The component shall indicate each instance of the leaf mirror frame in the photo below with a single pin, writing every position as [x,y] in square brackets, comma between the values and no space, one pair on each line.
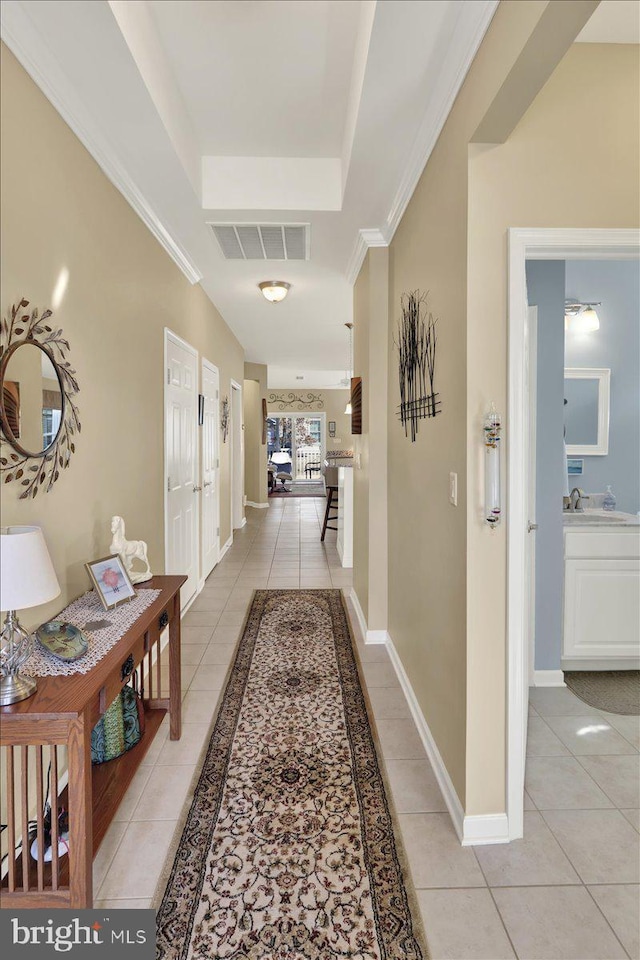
[36,470]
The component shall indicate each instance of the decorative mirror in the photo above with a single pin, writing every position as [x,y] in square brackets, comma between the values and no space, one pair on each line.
[586,411]
[38,415]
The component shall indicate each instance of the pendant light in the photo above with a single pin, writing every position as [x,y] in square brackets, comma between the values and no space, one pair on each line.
[348,410]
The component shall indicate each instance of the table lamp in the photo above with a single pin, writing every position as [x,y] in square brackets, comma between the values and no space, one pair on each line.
[27,579]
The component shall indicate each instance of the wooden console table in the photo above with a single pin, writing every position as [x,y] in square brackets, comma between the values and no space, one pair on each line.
[62,714]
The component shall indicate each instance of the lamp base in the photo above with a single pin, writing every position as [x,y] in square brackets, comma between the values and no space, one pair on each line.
[16,687]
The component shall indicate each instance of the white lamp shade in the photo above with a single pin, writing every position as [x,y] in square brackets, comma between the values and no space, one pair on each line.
[27,577]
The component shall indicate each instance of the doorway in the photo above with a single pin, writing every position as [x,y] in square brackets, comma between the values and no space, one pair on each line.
[181,463]
[237,457]
[532,244]
[210,467]
[303,439]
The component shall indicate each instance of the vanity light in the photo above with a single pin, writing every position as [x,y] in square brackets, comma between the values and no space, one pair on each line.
[581,317]
[274,290]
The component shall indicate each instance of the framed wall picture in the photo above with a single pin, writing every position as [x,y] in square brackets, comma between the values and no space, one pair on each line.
[575,467]
[110,580]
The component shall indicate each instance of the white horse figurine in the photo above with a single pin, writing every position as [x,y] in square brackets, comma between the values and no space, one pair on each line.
[129,551]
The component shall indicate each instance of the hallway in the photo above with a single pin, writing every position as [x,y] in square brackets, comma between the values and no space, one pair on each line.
[526,899]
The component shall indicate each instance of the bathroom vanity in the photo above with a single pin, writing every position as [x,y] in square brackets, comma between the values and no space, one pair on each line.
[601,628]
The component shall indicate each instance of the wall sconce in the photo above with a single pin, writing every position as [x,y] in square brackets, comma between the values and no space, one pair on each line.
[581,317]
[492,436]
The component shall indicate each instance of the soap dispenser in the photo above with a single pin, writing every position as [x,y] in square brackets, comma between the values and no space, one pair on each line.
[609,501]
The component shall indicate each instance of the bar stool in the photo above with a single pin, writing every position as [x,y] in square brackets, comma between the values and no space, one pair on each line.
[331,485]
[331,493]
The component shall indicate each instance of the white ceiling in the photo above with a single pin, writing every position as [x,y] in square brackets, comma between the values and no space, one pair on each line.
[263,78]
[164,92]
[613,21]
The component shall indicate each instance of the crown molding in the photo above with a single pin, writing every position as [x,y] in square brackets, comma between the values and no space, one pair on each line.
[467,37]
[473,22]
[29,47]
[364,240]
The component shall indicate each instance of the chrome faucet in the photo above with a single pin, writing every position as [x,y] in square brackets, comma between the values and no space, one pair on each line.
[576,498]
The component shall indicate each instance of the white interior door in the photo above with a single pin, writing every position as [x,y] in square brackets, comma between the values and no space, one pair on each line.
[181,463]
[531,368]
[237,457]
[210,468]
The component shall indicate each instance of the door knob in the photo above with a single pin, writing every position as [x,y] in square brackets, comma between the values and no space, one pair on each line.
[531,527]
[197,489]
[207,483]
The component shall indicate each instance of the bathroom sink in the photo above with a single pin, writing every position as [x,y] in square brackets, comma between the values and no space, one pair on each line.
[598,517]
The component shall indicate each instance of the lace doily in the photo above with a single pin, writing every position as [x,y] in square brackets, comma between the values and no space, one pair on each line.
[110,626]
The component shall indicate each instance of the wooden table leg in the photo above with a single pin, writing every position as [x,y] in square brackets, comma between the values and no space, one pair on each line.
[175,691]
[80,814]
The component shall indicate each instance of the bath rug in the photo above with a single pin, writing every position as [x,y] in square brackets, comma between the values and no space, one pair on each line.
[614,691]
[289,849]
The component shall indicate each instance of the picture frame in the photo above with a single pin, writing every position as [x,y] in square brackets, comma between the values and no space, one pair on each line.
[117,587]
[575,467]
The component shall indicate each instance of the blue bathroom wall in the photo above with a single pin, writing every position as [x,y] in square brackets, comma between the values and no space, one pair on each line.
[615,345]
[546,290]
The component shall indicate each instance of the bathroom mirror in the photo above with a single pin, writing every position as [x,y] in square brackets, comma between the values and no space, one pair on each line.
[586,411]
[39,419]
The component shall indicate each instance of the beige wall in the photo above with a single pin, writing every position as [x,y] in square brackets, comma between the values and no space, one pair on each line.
[447,572]
[371,348]
[59,212]
[541,177]
[255,451]
[361,443]
[330,402]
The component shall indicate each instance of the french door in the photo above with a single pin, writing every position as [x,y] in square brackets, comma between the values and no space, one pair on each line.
[302,439]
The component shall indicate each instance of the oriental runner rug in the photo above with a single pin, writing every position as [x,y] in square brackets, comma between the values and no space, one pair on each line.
[288,850]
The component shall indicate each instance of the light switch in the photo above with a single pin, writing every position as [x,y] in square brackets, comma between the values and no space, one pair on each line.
[453,489]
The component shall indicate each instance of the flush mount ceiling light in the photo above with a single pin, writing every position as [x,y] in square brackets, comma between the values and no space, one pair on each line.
[581,317]
[274,290]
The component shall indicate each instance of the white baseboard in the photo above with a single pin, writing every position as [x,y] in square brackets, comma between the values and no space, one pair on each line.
[548,678]
[258,506]
[226,547]
[442,776]
[485,828]
[370,636]
[376,636]
[473,830]
[362,623]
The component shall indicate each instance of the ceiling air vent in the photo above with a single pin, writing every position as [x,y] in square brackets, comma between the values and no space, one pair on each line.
[263,241]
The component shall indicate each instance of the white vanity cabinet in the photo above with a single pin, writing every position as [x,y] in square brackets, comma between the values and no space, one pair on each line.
[601,597]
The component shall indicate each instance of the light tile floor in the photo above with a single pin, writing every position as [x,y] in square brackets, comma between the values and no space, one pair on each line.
[569,889]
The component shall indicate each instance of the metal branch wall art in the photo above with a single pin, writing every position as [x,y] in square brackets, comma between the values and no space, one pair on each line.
[282,401]
[416,345]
